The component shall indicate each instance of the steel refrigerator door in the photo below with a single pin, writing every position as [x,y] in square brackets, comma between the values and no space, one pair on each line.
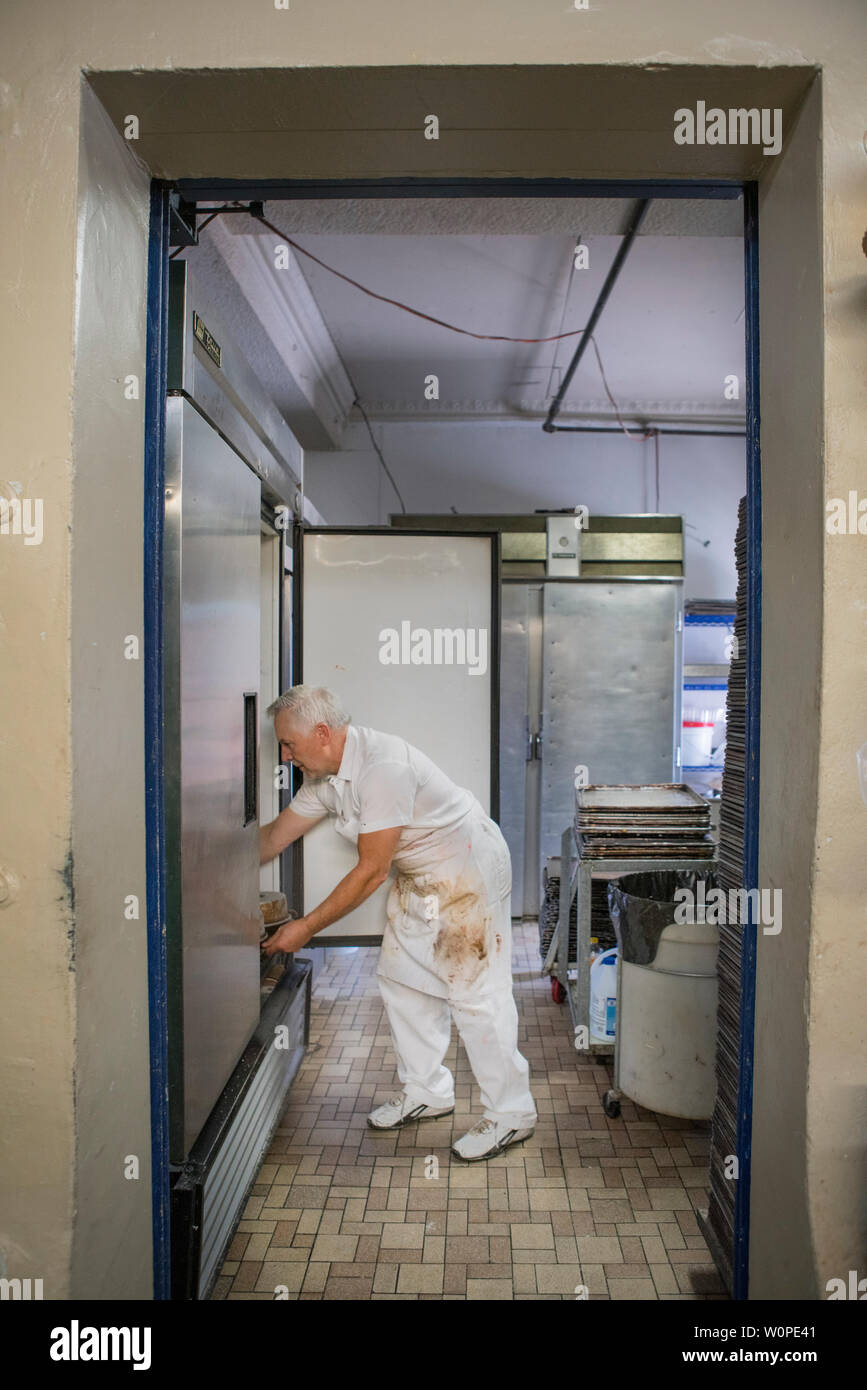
[610,690]
[212,575]
[371,595]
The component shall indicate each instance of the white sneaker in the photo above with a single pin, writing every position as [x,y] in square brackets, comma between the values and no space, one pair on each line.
[398,1111]
[488,1138]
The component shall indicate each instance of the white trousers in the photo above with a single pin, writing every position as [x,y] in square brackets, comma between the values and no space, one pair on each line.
[447,953]
[421,1030]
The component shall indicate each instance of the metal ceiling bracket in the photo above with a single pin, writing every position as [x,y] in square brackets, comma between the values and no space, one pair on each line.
[182,221]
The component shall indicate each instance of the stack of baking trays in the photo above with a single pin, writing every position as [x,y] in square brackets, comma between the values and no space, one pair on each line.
[664,821]
[725,1127]
[601,930]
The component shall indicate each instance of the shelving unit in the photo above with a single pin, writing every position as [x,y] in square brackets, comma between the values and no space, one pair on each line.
[706,675]
[576,875]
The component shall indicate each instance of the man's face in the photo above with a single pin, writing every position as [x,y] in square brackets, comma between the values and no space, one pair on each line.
[309,749]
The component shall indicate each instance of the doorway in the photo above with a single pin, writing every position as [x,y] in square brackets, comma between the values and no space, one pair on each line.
[194,193]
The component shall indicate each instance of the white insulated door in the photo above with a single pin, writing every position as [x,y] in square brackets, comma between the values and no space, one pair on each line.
[404,628]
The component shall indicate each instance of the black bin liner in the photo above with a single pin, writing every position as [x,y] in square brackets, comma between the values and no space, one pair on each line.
[643,905]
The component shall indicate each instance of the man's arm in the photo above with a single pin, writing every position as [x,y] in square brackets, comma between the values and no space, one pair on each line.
[375,853]
[283,831]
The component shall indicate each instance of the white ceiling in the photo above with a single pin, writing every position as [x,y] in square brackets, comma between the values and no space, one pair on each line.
[460,216]
[671,333]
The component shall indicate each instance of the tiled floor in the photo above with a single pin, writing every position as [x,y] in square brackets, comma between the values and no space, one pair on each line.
[341,1211]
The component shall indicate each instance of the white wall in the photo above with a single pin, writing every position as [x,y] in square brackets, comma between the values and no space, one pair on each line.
[440,466]
[349,489]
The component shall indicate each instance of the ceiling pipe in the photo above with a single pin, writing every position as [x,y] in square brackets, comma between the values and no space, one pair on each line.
[617,265]
[648,431]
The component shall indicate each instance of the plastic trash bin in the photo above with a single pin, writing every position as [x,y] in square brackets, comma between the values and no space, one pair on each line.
[667,996]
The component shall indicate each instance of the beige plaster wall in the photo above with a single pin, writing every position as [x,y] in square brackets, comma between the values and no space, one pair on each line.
[790,276]
[112,1129]
[52,1073]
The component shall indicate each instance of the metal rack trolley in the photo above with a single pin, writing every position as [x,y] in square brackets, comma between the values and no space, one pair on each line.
[576,875]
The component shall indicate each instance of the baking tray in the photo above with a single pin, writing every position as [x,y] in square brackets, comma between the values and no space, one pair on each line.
[668,798]
[643,825]
[630,847]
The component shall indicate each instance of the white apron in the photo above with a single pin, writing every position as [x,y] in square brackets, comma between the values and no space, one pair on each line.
[449,930]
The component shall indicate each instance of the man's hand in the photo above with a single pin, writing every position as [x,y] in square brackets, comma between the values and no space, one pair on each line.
[292,936]
[375,851]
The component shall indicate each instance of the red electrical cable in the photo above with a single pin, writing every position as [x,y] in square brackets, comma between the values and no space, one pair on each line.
[488,337]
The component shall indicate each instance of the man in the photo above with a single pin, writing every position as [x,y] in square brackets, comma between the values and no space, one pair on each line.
[447,940]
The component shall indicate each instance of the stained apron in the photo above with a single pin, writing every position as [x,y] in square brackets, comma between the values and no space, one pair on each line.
[448,930]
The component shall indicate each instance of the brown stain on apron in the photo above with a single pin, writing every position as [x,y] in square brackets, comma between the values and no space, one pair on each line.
[462,939]
[462,922]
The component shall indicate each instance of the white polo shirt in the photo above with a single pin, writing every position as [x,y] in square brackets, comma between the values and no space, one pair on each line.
[383,781]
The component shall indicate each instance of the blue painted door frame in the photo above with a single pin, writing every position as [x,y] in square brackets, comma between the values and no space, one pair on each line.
[210,190]
[155,856]
[740,1264]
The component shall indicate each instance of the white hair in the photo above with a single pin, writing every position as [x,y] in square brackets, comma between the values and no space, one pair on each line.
[311,705]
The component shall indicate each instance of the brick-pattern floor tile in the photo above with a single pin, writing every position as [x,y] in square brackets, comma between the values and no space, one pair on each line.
[631,1289]
[339,1211]
[489,1288]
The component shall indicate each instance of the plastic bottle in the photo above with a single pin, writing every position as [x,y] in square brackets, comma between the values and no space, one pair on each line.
[603,996]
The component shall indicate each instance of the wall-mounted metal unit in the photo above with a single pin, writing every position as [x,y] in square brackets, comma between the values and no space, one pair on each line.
[611,547]
[211,684]
[563,558]
[231,468]
[206,367]
[226,449]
